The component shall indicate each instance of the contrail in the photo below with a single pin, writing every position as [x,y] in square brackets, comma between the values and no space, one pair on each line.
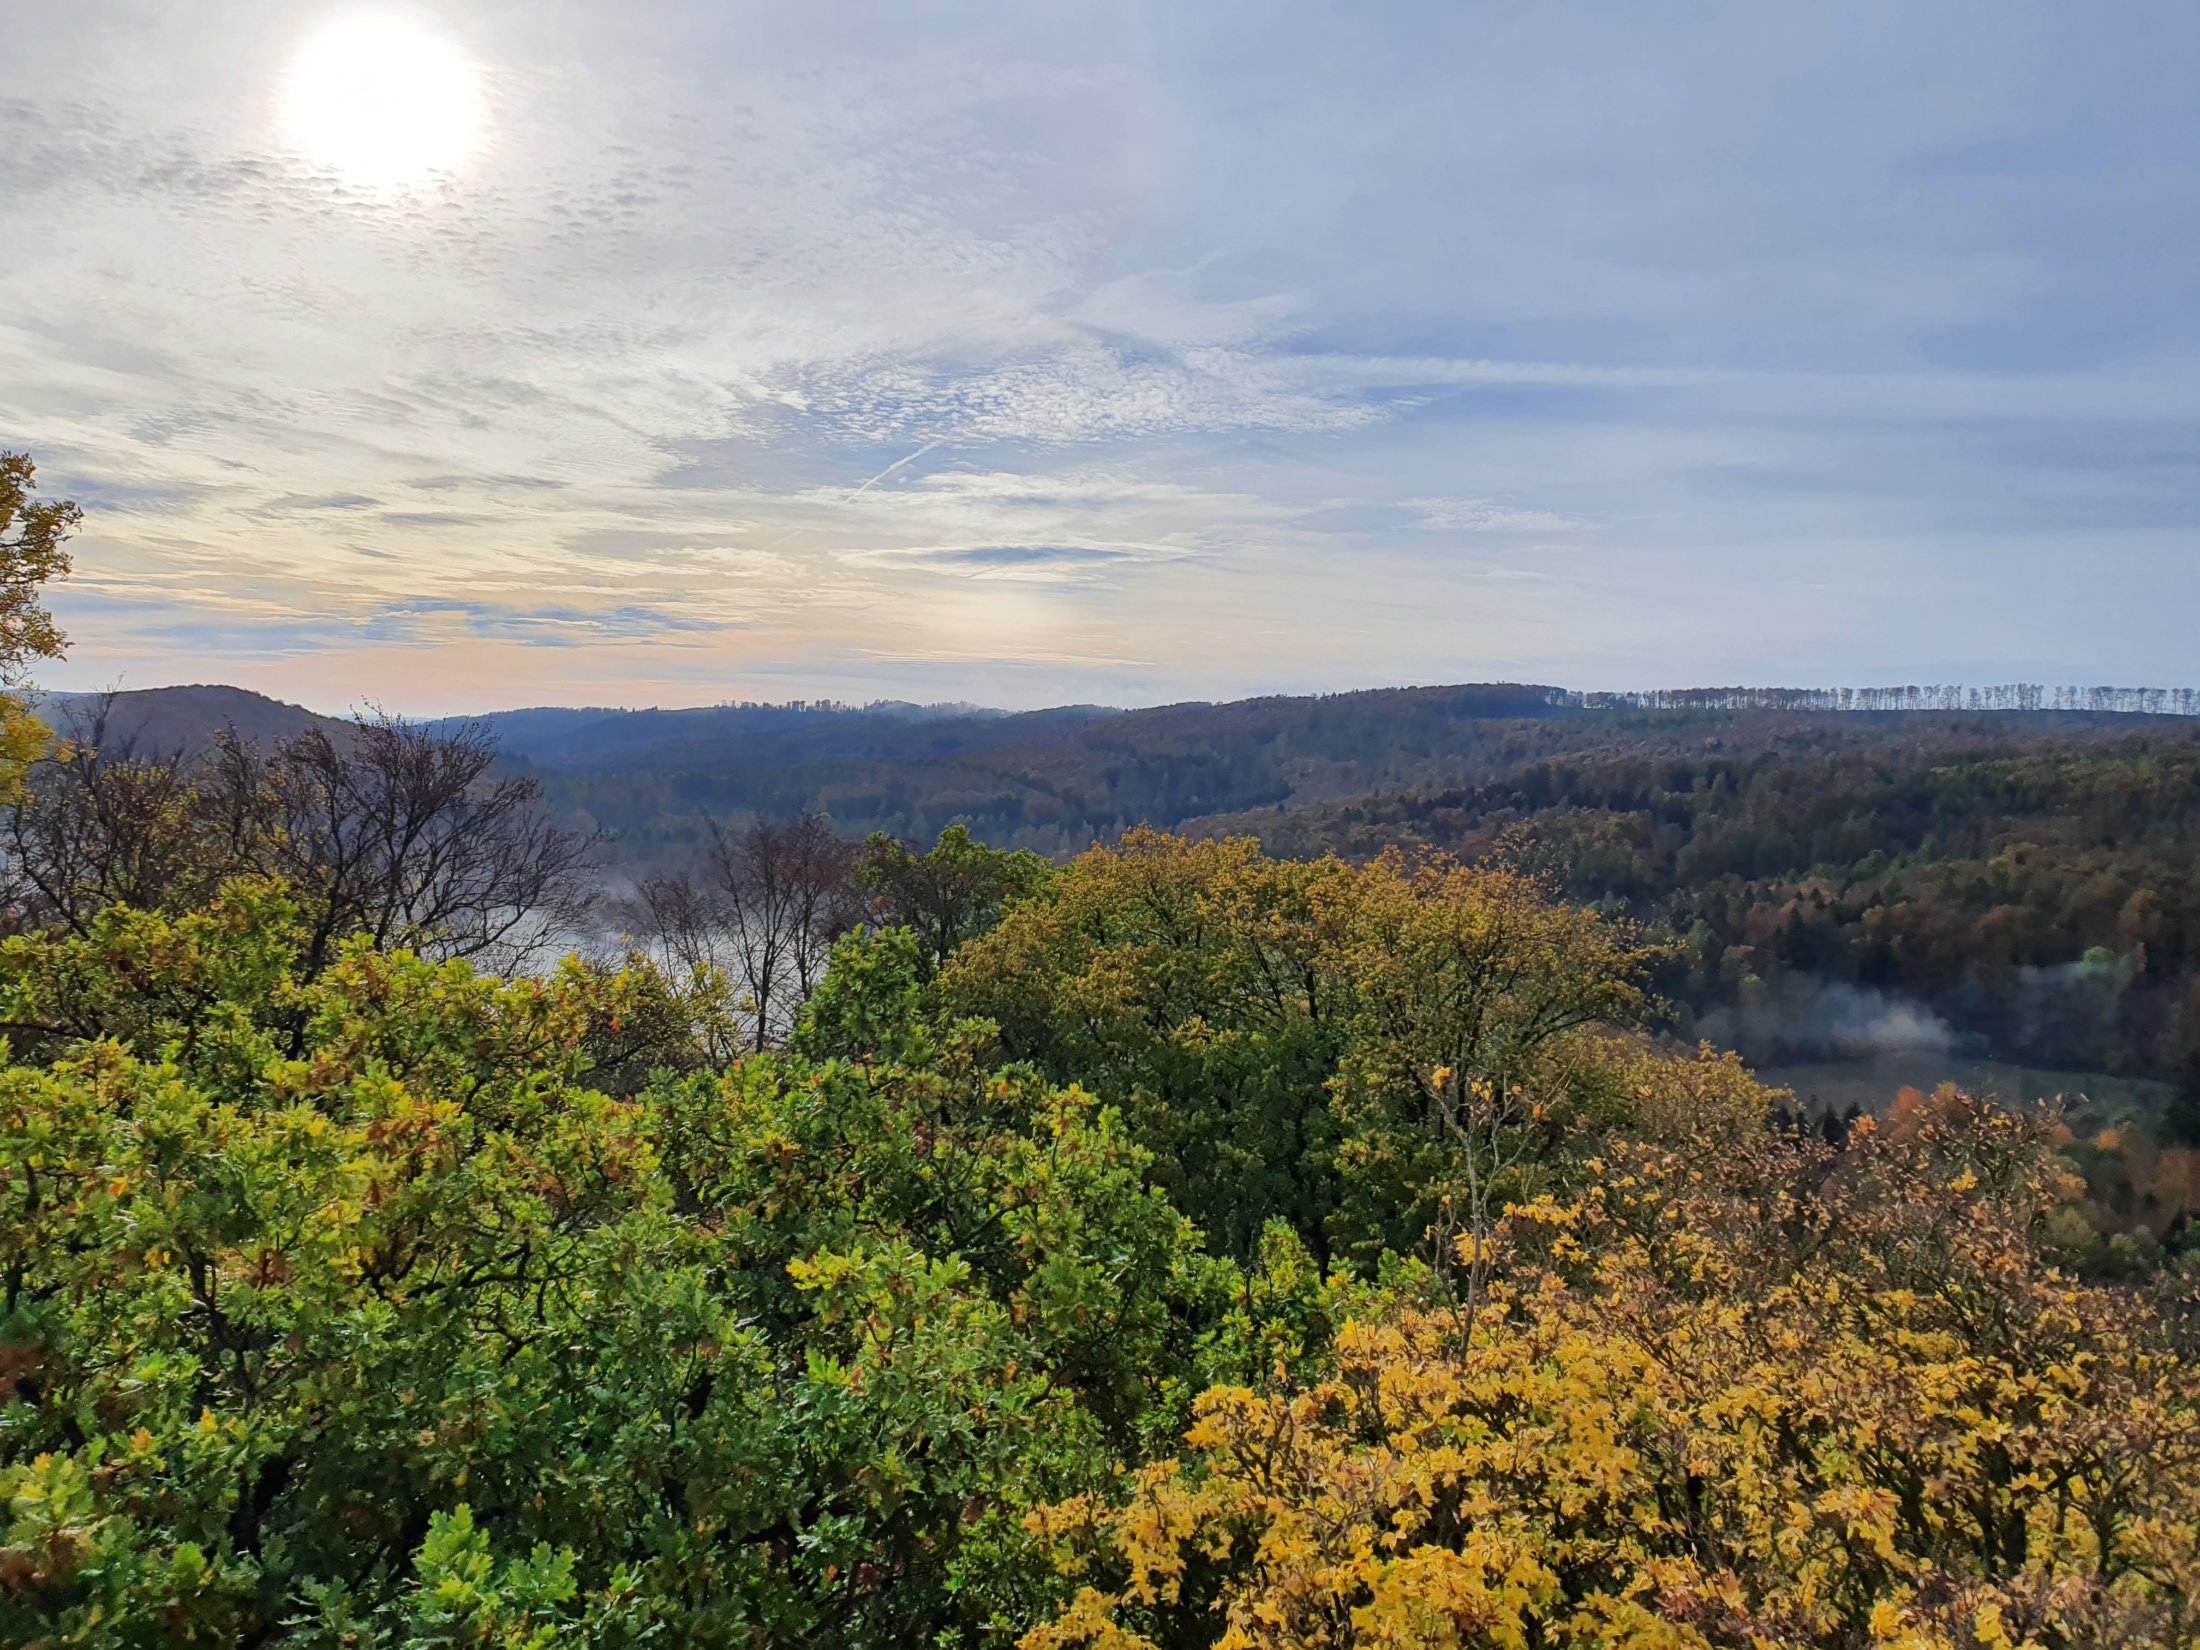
[897,464]
[866,487]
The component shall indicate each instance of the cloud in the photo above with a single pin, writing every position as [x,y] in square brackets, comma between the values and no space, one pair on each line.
[1046,563]
[1481,515]
[1167,351]
[292,504]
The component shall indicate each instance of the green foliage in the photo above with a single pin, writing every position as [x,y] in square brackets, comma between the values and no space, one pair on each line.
[369,1300]
[866,1007]
[1182,981]
[1287,1037]
[948,895]
[33,532]
[464,1597]
[341,1307]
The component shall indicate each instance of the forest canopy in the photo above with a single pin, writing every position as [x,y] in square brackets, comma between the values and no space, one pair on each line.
[1219,1250]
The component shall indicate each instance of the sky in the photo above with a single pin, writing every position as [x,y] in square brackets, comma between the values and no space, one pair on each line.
[465,355]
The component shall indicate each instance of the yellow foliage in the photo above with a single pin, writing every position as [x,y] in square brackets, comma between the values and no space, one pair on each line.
[1838,1401]
[23,739]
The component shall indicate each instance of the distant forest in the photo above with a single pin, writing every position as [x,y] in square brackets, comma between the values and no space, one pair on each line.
[2015,864]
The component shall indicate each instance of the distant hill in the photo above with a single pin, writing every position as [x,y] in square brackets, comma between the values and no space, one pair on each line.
[1052,780]
[2011,881]
[717,736]
[164,721]
[1445,766]
[1351,771]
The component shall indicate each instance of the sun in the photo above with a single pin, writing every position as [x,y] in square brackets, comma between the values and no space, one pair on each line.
[381,102]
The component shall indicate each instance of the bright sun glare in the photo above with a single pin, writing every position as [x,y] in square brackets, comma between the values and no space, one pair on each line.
[381,102]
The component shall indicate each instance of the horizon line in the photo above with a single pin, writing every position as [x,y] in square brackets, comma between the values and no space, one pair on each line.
[1909,698]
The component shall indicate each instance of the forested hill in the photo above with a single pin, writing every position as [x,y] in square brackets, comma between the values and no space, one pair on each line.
[2021,886]
[1354,771]
[165,721]
[1050,780]
[2011,882]
[1055,780]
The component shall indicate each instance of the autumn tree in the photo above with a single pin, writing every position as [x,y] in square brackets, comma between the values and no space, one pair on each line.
[102,823]
[33,533]
[403,832]
[374,1300]
[1467,986]
[947,894]
[760,909]
[787,892]
[407,1334]
[33,536]
[1187,982]
[395,829]
[1768,1394]
[1350,1047]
